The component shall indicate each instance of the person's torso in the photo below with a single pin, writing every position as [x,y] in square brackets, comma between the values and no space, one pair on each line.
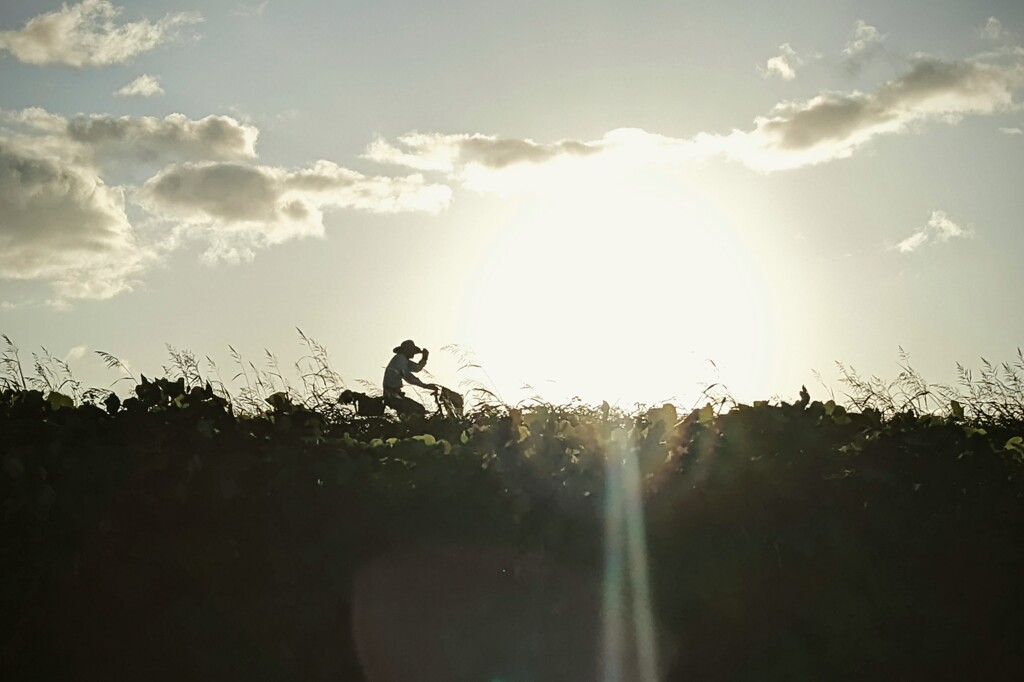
[395,370]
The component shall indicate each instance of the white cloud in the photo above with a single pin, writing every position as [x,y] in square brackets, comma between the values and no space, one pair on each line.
[913,242]
[60,223]
[783,65]
[143,86]
[75,353]
[240,207]
[865,38]
[87,34]
[940,228]
[944,228]
[1011,131]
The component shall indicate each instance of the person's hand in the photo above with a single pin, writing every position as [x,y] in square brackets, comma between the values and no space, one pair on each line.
[433,387]
[425,352]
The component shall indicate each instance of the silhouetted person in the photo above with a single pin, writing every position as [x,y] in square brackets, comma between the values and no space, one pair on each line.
[401,369]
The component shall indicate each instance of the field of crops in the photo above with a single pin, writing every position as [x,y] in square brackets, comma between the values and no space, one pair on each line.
[174,535]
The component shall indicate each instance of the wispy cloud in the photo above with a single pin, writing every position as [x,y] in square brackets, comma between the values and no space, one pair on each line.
[87,34]
[240,207]
[143,86]
[1011,131]
[865,43]
[940,228]
[784,64]
[993,31]
[75,353]
[243,10]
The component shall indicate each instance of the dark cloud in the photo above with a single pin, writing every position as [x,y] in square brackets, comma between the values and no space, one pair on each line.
[60,223]
[500,153]
[446,152]
[931,89]
[825,119]
[175,136]
[229,192]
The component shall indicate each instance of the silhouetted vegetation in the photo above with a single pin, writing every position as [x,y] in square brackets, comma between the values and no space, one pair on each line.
[185,533]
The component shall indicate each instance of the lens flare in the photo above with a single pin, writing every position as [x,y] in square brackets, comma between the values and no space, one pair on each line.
[629,648]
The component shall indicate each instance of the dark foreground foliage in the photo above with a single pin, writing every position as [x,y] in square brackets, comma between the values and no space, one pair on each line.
[169,538]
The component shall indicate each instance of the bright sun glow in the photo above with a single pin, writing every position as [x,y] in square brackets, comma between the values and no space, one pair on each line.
[621,291]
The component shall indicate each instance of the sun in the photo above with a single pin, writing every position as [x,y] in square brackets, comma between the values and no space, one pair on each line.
[633,291]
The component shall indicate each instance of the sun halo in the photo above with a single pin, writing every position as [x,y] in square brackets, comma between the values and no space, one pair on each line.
[621,291]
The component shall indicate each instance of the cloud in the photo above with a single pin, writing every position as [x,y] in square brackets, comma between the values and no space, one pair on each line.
[913,242]
[176,136]
[61,224]
[784,65]
[505,166]
[832,125]
[1011,131]
[863,46]
[256,11]
[75,353]
[940,228]
[240,207]
[143,86]
[87,34]
[445,152]
[865,39]
[993,31]
[103,138]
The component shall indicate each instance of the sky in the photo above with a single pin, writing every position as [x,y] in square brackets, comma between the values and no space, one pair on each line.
[622,201]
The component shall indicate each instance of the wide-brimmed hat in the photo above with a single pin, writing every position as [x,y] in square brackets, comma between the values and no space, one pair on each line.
[407,346]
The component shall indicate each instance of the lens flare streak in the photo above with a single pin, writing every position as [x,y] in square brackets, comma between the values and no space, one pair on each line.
[625,572]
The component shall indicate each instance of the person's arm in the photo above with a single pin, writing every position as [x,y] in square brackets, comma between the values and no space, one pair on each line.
[417,366]
[415,380]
